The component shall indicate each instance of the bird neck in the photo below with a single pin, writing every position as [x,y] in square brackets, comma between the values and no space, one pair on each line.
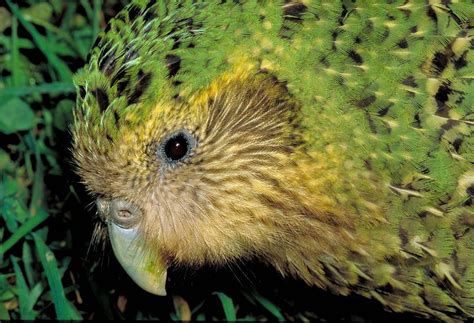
[336,224]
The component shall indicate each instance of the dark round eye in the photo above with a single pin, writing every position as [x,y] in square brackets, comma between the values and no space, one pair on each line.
[176,147]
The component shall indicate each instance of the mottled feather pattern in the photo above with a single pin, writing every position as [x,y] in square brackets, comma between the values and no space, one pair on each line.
[365,138]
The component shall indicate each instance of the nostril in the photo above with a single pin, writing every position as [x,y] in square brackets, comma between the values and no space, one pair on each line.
[124,214]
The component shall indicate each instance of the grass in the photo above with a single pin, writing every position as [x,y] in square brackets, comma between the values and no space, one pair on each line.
[46,269]
[41,45]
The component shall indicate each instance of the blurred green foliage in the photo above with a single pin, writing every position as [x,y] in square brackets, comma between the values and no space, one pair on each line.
[42,43]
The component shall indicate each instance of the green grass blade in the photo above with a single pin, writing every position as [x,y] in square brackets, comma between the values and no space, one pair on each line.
[28,263]
[88,8]
[22,290]
[38,200]
[61,68]
[228,306]
[201,317]
[46,88]
[7,295]
[64,267]
[15,54]
[6,42]
[269,306]
[197,307]
[64,35]
[73,312]
[174,317]
[26,228]
[50,266]
[95,20]
[35,293]
[4,312]
[68,16]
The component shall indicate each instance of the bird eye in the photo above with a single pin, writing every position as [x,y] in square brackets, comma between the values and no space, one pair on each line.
[177,146]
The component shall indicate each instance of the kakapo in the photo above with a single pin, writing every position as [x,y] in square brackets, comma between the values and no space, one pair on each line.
[331,139]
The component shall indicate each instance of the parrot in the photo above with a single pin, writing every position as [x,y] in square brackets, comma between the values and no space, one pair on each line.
[331,140]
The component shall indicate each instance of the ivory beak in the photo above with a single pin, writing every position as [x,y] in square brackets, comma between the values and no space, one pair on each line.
[148,272]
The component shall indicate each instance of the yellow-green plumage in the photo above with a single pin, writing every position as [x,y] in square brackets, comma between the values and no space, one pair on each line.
[332,139]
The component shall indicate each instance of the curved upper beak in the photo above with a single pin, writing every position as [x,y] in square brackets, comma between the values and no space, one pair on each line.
[146,268]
